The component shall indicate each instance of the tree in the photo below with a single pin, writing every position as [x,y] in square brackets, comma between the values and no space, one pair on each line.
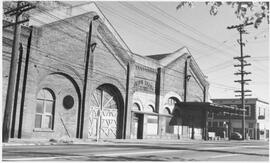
[254,12]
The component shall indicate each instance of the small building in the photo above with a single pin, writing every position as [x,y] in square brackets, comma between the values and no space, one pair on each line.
[256,118]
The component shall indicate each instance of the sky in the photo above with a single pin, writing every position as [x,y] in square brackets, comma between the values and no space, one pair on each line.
[150,28]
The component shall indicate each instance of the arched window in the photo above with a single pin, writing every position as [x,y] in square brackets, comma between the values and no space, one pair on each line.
[150,109]
[136,107]
[44,109]
[167,111]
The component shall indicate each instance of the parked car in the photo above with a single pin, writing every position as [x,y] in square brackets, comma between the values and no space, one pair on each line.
[236,136]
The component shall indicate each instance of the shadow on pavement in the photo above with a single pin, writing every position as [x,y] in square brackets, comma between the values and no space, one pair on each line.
[184,148]
[36,154]
[141,158]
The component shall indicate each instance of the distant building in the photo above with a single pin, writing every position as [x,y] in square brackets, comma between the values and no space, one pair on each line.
[256,118]
[127,95]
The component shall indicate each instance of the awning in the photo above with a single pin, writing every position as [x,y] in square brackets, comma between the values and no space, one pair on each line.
[209,107]
[177,118]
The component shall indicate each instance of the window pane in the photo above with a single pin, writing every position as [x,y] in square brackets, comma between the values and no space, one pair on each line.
[150,109]
[38,121]
[152,125]
[247,110]
[135,107]
[39,108]
[49,106]
[47,122]
[220,124]
[48,95]
[215,124]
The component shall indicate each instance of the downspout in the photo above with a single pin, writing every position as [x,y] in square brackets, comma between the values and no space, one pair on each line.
[157,103]
[90,50]
[126,103]
[29,41]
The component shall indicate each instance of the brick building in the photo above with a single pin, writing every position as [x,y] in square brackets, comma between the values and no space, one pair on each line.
[256,118]
[127,95]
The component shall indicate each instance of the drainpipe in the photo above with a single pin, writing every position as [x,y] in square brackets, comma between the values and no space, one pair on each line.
[205,116]
[90,50]
[124,127]
[29,41]
[157,93]
[186,78]
[16,92]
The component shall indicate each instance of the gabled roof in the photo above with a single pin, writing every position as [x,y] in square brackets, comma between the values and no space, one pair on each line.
[64,13]
[158,56]
[166,59]
[169,58]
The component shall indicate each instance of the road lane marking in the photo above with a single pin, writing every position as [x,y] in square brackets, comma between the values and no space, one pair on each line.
[92,155]
[137,153]
[232,147]
[227,155]
[38,158]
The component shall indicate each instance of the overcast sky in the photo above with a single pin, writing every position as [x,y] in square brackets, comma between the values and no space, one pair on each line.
[157,27]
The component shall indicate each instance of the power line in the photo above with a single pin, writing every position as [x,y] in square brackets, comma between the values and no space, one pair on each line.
[157,21]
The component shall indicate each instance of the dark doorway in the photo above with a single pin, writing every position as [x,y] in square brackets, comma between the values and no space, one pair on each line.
[137,122]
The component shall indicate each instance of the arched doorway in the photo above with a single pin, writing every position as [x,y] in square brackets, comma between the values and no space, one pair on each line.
[106,113]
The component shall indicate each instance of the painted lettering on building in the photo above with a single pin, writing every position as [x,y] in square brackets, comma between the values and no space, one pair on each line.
[143,85]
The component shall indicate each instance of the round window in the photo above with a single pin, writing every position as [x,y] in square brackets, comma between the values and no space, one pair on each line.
[68,102]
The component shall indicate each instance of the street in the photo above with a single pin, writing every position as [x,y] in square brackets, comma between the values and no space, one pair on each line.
[157,151]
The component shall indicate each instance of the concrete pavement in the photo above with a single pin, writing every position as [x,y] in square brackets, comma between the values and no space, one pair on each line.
[154,150]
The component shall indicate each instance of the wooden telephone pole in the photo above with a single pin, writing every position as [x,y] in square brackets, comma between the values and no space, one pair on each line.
[18,11]
[243,64]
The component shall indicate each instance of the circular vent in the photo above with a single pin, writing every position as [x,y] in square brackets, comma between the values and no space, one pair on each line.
[68,102]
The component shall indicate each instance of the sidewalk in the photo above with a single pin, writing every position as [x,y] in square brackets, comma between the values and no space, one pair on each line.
[20,142]
[29,142]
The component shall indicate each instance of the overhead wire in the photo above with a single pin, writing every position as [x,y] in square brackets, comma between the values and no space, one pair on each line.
[157,21]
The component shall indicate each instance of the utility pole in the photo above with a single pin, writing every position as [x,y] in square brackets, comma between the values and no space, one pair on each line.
[21,8]
[243,81]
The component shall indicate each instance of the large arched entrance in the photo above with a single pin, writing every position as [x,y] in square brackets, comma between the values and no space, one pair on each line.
[106,113]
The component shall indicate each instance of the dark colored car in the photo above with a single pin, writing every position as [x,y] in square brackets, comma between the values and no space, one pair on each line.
[236,136]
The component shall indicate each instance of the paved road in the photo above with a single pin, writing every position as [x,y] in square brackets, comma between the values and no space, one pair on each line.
[165,151]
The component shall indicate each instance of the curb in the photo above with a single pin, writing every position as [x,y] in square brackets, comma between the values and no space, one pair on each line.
[106,142]
[26,144]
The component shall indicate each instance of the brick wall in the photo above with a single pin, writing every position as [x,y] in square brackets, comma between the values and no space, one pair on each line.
[57,63]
